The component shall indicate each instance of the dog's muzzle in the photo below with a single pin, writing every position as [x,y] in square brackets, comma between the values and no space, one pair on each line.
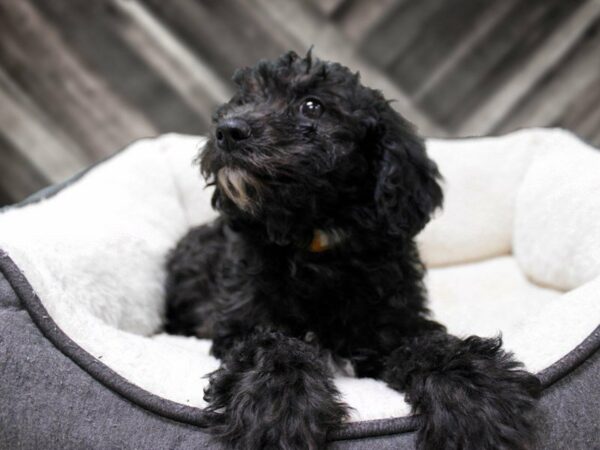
[242,188]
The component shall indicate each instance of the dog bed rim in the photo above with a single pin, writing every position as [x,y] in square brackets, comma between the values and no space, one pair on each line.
[197,416]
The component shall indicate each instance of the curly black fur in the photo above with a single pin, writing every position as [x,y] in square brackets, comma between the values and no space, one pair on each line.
[303,146]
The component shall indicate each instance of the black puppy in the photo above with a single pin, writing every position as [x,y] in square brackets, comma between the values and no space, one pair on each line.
[321,188]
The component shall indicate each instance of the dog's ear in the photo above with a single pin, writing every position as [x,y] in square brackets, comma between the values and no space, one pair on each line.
[406,188]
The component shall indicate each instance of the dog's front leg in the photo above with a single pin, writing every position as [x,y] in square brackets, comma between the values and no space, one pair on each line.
[472,394]
[273,392]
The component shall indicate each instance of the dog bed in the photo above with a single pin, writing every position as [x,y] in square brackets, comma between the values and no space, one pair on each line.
[84,363]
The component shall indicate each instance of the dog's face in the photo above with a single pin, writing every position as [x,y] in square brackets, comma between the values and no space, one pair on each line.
[303,145]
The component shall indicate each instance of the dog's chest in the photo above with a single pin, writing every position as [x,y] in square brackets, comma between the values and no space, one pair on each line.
[330,297]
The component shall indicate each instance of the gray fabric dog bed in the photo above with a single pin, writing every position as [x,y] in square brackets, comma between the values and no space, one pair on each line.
[84,363]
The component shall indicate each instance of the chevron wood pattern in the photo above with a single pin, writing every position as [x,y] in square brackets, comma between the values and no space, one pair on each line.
[80,79]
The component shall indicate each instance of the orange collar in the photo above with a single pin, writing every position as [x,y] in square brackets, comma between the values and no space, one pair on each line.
[325,240]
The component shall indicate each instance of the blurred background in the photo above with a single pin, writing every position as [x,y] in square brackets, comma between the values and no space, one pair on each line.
[80,79]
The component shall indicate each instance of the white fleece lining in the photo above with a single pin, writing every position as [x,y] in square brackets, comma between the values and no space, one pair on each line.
[95,252]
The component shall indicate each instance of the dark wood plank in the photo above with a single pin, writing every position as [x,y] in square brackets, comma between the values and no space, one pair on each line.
[327,8]
[225,33]
[517,85]
[5,197]
[330,44]
[394,34]
[18,178]
[190,76]
[36,136]
[495,59]
[94,31]
[583,114]
[440,34]
[358,17]
[78,80]
[42,64]
[562,90]
[483,26]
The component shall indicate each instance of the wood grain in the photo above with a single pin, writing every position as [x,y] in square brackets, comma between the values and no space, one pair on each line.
[81,79]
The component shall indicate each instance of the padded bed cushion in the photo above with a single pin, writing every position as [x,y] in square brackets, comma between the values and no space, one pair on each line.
[84,363]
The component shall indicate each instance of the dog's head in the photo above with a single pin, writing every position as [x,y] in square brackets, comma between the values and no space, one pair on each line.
[304,145]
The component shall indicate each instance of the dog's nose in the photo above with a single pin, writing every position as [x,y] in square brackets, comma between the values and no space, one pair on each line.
[231,131]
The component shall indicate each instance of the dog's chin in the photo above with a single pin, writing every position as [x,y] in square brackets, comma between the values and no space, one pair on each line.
[241,187]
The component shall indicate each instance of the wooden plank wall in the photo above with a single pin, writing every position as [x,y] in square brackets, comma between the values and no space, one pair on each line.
[80,79]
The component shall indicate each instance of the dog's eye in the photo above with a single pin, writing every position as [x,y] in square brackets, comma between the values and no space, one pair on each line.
[311,108]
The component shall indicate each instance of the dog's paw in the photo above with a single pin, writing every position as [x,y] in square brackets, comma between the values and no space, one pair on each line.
[472,394]
[480,400]
[273,392]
